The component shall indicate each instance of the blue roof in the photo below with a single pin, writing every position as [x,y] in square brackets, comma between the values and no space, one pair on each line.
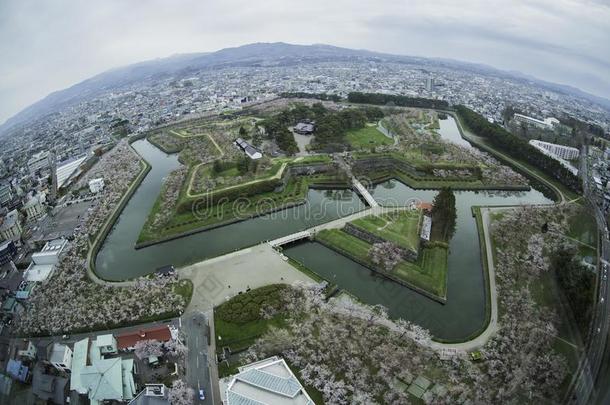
[284,386]
[17,370]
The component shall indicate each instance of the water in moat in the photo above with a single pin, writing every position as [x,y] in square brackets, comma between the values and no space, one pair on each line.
[463,314]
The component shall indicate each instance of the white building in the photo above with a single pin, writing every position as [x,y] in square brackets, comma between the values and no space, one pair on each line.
[101,379]
[67,168]
[61,357]
[10,227]
[34,209]
[106,344]
[426,227]
[561,151]
[96,185]
[547,123]
[558,152]
[248,149]
[39,161]
[268,381]
[44,262]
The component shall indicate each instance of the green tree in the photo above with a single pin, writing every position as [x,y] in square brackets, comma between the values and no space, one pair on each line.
[444,216]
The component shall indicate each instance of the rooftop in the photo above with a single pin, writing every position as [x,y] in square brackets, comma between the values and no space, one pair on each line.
[268,381]
[126,340]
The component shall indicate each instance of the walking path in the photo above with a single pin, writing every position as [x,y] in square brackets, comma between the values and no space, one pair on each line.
[189,191]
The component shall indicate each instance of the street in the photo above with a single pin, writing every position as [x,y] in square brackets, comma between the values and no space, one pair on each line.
[587,381]
[195,327]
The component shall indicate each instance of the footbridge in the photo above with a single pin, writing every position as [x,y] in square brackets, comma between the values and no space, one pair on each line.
[337,223]
[290,238]
[364,193]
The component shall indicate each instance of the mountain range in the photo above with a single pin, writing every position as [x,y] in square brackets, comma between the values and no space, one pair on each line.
[258,54]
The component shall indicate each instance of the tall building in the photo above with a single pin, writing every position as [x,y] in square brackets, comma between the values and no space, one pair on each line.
[6,194]
[429,84]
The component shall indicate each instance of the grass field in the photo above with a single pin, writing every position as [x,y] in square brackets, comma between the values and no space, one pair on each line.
[429,273]
[400,227]
[367,137]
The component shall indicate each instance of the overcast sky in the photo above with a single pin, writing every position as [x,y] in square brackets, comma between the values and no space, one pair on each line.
[49,45]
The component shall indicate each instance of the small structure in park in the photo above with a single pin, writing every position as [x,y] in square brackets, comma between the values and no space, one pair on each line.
[305,127]
[426,227]
[248,149]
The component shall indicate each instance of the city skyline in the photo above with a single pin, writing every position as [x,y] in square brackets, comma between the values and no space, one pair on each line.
[68,50]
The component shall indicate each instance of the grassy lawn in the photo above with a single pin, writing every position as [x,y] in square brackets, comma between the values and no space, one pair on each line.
[429,272]
[367,137]
[400,227]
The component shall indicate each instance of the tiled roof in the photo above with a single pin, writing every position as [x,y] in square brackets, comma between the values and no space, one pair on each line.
[161,333]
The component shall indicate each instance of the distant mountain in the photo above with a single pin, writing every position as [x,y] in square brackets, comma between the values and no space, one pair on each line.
[258,54]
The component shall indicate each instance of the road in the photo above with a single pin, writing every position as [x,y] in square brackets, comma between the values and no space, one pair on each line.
[587,381]
[195,329]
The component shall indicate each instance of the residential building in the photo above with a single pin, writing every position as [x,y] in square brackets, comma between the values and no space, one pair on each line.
[44,262]
[561,151]
[106,344]
[17,370]
[34,210]
[547,123]
[100,378]
[152,394]
[6,194]
[40,160]
[49,388]
[248,149]
[268,381]
[127,341]
[8,250]
[96,185]
[11,226]
[28,352]
[60,357]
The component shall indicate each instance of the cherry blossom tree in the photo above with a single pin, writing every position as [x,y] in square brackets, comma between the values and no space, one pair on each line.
[180,394]
[148,348]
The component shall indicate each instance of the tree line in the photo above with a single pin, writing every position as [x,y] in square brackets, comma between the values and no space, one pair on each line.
[444,216]
[578,284]
[316,96]
[517,147]
[330,128]
[396,100]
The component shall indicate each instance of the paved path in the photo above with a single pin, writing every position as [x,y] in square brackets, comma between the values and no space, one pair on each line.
[189,191]
[218,279]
